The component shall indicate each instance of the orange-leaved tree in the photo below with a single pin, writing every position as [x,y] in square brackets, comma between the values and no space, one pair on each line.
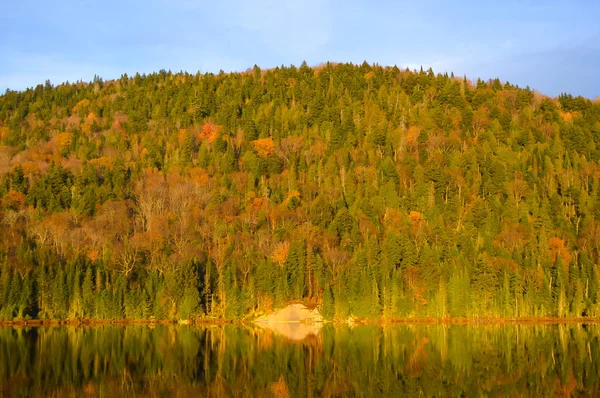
[264,146]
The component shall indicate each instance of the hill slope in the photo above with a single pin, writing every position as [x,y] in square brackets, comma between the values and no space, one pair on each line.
[370,191]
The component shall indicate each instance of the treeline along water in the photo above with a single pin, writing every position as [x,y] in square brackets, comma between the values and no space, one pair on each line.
[241,361]
[371,191]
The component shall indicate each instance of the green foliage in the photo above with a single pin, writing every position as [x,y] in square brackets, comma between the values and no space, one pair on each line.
[370,191]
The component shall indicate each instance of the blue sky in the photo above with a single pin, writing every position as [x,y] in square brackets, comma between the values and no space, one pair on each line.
[549,45]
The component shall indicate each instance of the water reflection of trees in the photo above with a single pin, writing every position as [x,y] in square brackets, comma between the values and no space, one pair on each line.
[432,360]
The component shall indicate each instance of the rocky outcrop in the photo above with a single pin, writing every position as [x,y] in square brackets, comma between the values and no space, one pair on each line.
[296,322]
[293,313]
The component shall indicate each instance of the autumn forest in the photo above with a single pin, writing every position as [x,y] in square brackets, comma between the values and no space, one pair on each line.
[368,191]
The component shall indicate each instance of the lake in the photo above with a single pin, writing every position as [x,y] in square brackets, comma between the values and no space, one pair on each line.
[301,361]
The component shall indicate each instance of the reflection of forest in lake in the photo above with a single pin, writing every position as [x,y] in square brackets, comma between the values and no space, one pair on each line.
[428,360]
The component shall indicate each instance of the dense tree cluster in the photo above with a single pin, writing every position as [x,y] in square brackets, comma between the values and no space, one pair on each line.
[371,191]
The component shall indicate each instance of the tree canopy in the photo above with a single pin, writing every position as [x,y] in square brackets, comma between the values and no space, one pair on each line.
[370,191]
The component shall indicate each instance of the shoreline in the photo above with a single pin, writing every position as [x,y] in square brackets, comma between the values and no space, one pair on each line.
[349,321]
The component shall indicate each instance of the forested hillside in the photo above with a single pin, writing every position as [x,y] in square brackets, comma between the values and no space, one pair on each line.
[371,191]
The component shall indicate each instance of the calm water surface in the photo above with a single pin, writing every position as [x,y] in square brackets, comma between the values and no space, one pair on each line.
[299,361]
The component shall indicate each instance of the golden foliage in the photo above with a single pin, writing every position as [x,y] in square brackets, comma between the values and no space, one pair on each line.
[290,82]
[259,203]
[89,121]
[29,168]
[500,263]
[92,254]
[63,140]
[412,134]
[393,219]
[153,176]
[280,389]
[557,248]
[91,118]
[415,218]
[116,126]
[264,146]
[102,161]
[73,122]
[13,200]
[412,275]
[566,116]
[291,195]
[181,136]
[512,237]
[210,132]
[84,103]
[199,176]
[318,148]
[280,254]
[290,145]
